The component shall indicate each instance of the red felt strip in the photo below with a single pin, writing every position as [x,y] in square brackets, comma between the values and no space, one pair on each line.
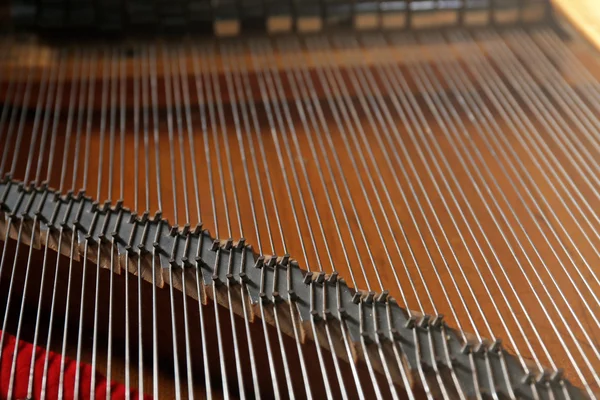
[21,379]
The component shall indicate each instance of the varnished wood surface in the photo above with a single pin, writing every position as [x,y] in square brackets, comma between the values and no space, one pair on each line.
[584,16]
[349,59]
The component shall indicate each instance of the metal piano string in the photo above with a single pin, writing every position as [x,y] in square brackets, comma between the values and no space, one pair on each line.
[297,147]
[376,108]
[183,276]
[29,164]
[86,94]
[240,93]
[474,110]
[553,49]
[343,104]
[274,114]
[448,173]
[238,96]
[577,120]
[87,155]
[324,131]
[292,77]
[493,180]
[551,361]
[437,106]
[567,350]
[585,333]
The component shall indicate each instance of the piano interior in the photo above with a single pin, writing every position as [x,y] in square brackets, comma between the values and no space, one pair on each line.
[299,199]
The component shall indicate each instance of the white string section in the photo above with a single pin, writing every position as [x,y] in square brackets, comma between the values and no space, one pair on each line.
[450,177]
